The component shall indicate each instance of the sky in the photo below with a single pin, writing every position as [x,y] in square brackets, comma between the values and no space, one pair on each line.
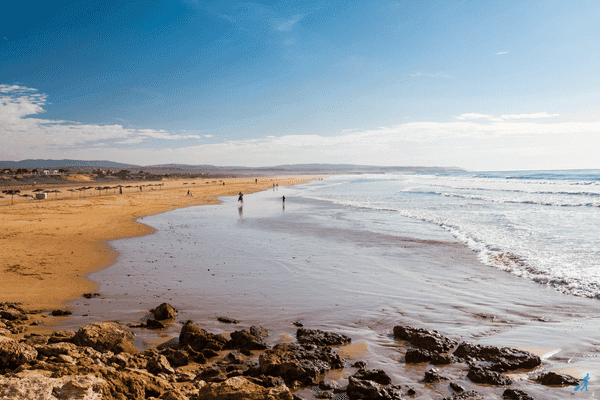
[508,85]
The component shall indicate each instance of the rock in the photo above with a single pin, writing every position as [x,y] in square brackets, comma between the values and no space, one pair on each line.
[60,313]
[228,320]
[164,311]
[198,339]
[13,353]
[456,387]
[154,324]
[502,358]
[4,332]
[321,338]
[359,364]
[414,356]
[91,295]
[424,339]
[298,363]
[375,375]
[516,394]
[298,324]
[54,349]
[470,395]
[246,340]
[179,358]
[105,336]
[240,388]
[367,389]
[133,384]
[27,385]
[159,364]
[12,315]
[555,379]
[173,394]
[433,376]
[324,394]
[61,336]
[478,374]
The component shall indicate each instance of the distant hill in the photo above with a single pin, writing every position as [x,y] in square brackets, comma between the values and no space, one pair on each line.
[212,169]
[63,164]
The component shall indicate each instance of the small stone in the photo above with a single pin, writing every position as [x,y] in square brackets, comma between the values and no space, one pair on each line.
[228,320]
[60,313]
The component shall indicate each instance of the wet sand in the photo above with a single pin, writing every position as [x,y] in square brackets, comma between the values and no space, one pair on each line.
[49,247]
[310,261]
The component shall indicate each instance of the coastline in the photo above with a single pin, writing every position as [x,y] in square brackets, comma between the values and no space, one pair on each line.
[51,246]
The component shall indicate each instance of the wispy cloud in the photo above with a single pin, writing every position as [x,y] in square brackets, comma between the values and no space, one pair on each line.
[501,52]
[287,25]
[469,116]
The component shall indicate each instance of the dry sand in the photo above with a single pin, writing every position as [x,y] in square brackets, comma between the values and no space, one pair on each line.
[48,247]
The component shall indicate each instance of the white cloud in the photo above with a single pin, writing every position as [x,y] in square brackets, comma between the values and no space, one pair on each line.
[501,52]
[18,102]
[469,116]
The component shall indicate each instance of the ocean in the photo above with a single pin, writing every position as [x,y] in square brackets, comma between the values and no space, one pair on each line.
[505,259]
[539,225]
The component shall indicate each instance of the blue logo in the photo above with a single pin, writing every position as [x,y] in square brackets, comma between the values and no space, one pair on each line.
[583,384]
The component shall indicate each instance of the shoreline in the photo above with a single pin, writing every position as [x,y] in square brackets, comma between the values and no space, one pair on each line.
[52,246]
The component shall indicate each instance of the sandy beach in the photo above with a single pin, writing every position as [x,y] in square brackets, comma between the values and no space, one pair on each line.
[50,246]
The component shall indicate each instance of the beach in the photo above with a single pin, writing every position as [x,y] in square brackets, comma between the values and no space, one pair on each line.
[335,267]
[50,246]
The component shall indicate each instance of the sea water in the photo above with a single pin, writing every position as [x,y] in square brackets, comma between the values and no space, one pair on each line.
[539,225]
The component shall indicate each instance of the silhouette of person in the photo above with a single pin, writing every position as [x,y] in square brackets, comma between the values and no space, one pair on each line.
[283,198]
[241,197]
[584,384]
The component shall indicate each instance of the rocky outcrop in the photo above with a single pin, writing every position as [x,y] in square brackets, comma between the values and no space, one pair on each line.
[321,338]
[424,339]
[248,340]
[372,385]
[240,388]
[414,356]
[164,311]
[556,379]
[27,385]
[200,340]
[502,358]
[298,363]
[14,354]
[105,336]
[479,374]
[516,394]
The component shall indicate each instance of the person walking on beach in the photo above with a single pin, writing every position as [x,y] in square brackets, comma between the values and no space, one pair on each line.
[583,384]
[241,198]
[283,198]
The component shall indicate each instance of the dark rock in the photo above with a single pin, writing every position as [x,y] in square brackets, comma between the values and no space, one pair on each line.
[370,390]
[478,374]
[154,324]
[91,295]
[12,315]
[59,313]
[246,340]
[456,387]
[470,395]
[209,353]
[502,358]
[228,320]
[516,394]
[375,375]
[325,385]
[298,324]
[432,376]
[198,339]
[414,356]
[321,338]
[61,336]
[424,339]
[177,358]
[266,381]
[555,379]
[359,364]
[411,392]
[164,311]
[105,336]
[298,363]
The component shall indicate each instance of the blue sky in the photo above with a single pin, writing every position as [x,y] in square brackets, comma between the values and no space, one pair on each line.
[483,86]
